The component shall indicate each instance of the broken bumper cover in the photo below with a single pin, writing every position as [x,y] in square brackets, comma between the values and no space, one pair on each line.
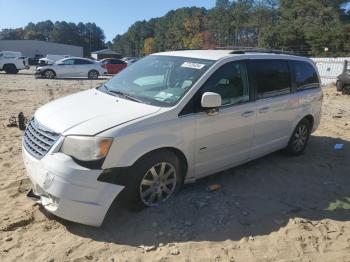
[69,190]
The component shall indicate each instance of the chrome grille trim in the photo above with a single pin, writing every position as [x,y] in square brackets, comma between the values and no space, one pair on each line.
[38,139]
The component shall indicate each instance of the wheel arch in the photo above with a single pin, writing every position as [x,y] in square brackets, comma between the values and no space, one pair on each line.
[179,154]
[308,116]
[310,119]
[48,69]
[9,64]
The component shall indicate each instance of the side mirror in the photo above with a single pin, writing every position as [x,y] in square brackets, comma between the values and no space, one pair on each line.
[211,101]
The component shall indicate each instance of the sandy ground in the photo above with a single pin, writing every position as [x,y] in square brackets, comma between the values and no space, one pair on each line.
[273,209]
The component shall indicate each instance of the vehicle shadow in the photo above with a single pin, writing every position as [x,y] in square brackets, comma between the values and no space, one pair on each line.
[24,73]
[257,198]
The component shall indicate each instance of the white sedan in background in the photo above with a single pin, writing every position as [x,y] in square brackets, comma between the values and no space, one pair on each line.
[71,67]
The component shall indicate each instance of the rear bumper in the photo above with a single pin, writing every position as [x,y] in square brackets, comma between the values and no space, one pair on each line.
[69,190]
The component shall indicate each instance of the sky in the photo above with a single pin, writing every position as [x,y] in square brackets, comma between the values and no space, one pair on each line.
[114,17]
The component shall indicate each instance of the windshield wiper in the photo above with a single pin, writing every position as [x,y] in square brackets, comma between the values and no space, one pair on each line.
[122,94]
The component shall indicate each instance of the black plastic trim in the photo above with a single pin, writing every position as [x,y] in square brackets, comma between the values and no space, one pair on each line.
[116,175]
[95,164]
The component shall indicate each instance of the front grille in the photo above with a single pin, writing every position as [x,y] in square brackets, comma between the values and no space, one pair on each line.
[38,139]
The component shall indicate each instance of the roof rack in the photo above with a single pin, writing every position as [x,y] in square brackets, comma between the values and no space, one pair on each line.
[243,50]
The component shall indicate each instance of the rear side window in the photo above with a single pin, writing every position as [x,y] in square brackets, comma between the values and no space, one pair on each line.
[117,62]
[82,62]
[305,75]
[270,77]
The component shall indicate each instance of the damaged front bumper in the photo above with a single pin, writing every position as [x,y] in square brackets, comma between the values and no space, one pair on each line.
[69,190]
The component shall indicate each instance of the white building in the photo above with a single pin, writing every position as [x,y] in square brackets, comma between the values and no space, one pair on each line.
[36,48]
[105,53]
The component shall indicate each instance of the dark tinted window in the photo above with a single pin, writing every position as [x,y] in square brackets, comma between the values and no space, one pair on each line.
[305,75]
[229,81]
[270,77]
[81,62]
[117,62]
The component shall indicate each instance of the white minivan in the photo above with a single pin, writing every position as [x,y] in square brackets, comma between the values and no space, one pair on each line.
[170,118]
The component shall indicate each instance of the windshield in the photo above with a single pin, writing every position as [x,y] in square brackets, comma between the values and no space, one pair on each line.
[158,80]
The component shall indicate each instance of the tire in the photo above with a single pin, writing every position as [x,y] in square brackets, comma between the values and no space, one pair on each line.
[339,86]
[346,90]
[299,138]
[10,69]
[144,189]
[93,74]
[49,74]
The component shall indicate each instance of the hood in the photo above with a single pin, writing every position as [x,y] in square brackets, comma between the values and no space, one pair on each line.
[90,112]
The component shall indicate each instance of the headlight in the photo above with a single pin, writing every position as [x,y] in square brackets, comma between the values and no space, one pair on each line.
[86,148]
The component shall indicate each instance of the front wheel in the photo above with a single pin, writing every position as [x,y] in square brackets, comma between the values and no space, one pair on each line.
[299,139]
[49,74]
[155,179]
[93,74]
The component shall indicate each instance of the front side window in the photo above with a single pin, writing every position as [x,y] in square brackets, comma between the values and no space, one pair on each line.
[68,62]
[229,81]
[270,77]
[158,80]
[305,75]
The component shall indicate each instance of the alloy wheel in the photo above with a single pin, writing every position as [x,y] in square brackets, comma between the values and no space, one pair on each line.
[49,74]
[158,184]
[300,137]
[93,75]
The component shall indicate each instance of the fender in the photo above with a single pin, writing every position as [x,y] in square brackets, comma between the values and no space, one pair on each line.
[310,102]
[126,153]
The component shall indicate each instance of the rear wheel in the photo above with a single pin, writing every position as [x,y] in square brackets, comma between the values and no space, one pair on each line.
[346,90]
[49,74]
[339,86]
[93,74]
[10,69]
[154,180]
[299,139]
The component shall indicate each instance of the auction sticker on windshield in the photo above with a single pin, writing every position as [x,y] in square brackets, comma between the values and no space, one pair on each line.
[192,65]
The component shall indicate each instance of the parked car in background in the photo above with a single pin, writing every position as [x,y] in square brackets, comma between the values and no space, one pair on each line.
[170,118]
[113,65]
[71,67]
[343,80]
[34,61]
[50,59]
[130,59]
[11,62]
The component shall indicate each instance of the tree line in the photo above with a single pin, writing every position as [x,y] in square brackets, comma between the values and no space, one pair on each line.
[306,27]
[88,35]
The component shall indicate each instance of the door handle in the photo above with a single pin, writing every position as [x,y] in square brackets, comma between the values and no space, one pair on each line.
[264,109]
[247,113]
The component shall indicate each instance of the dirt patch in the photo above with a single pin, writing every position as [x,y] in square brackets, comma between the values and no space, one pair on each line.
[273,209]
